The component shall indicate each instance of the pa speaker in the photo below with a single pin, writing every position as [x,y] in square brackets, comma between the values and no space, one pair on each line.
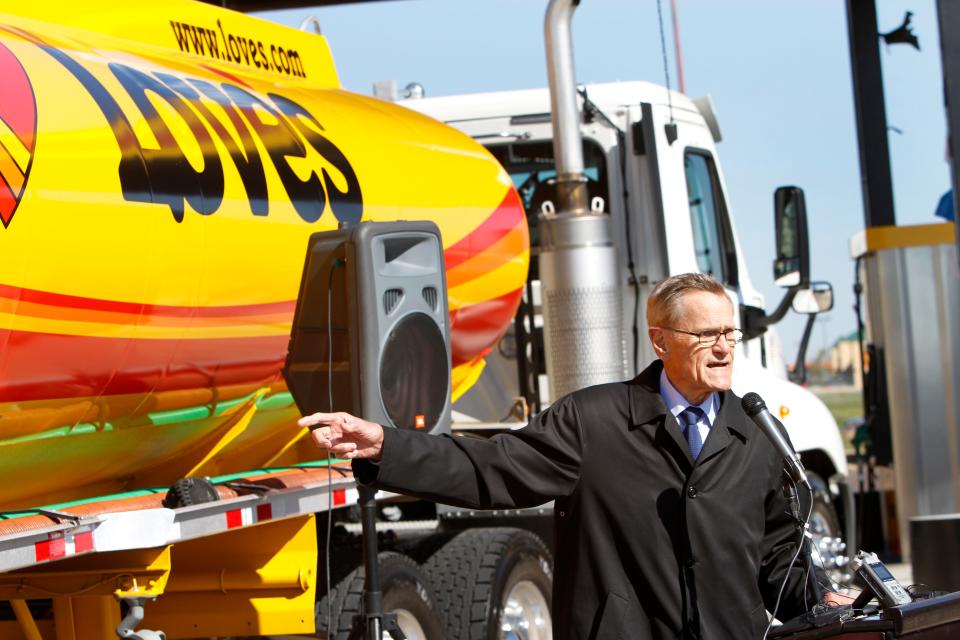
[370,334]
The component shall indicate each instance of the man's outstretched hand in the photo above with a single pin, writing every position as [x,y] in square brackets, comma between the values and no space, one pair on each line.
[344,435]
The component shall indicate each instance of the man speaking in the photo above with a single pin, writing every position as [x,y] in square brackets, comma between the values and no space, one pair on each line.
[670,520]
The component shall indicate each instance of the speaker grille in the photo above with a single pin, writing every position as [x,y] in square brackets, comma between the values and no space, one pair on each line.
[391,298]
[430,295]
[414,372]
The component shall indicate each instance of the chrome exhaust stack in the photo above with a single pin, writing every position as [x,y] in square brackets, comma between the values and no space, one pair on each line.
[583,332]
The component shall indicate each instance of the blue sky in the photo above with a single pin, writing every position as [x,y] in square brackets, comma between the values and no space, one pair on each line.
[778,73]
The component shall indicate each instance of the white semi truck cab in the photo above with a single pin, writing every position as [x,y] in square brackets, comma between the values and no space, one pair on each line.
[650,165]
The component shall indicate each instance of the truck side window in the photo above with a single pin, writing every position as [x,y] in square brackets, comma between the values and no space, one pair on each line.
[712,237]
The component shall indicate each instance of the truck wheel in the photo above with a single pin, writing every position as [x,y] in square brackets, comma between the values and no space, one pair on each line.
[187,492]
[406,592]
[494,584]
[825,533]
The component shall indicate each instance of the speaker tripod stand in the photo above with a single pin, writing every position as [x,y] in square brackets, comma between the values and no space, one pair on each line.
[372,622]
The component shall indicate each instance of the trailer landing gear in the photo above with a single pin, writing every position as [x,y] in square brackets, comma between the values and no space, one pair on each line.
[125,631]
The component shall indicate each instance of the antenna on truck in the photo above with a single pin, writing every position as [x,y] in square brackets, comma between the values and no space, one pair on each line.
[671,127]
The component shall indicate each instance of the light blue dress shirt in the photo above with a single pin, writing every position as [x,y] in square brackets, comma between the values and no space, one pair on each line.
[676,403]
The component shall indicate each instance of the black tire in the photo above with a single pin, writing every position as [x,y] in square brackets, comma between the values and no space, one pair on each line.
[826,534]
[406,590]
[187,492]
[476,572]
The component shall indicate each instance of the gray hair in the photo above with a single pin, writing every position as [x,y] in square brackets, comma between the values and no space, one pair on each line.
[663,305]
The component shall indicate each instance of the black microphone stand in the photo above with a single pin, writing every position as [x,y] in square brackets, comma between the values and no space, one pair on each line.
[371,624]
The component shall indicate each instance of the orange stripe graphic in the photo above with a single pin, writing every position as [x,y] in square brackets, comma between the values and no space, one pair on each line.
[29,309]
[10,171]
[509,247]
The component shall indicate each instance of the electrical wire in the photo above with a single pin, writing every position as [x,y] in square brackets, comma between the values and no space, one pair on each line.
[786,577]
[832,585]
[631,266]
[26,586]
[330,630]
[663,51]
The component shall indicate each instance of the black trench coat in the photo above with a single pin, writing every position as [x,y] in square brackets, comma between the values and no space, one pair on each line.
[649,545]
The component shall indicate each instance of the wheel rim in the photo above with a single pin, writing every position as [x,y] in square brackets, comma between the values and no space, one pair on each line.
[526,614]
[829,549]
[409,625]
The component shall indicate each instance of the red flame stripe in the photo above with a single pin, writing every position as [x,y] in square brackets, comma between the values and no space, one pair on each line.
[476,328]
[503,219]
[40,366]
[96,304]
[7,202]
[228,76]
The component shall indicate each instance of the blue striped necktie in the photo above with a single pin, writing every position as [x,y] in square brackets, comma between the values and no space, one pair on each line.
[689,418]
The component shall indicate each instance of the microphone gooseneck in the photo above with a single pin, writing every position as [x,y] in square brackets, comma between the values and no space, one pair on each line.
[756,409]
[754,406]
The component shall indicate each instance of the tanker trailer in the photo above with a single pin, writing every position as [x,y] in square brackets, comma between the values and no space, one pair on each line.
[156,199]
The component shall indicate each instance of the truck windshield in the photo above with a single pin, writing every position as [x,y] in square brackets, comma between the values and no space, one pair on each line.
[531,167]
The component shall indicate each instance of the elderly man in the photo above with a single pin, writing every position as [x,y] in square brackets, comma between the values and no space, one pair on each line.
[670,521]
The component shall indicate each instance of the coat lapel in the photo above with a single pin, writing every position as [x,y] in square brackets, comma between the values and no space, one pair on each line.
[726,425]
[648,412]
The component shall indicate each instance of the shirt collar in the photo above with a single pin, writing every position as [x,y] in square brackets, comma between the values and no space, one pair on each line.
[676,403]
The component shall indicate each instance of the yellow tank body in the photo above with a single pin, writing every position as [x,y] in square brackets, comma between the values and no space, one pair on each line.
[161,167]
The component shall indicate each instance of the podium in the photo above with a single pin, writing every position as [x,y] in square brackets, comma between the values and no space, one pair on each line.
[931,619]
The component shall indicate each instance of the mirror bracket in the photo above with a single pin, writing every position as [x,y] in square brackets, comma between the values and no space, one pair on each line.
[800,365]
[756,320]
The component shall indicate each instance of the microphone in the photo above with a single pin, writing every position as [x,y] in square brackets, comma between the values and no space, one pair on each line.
[754,406]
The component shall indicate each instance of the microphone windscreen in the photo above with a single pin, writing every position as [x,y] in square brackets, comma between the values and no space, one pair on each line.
[752,404]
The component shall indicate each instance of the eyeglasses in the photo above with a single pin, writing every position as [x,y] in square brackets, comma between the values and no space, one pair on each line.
[710,337]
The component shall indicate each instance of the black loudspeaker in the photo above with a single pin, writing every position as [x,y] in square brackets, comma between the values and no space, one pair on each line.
[371,334]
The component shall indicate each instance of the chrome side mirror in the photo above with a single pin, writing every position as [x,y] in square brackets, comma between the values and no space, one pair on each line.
[816,298]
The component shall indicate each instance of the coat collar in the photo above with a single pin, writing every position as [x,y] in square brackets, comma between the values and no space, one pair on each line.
[648,410]
[646,403]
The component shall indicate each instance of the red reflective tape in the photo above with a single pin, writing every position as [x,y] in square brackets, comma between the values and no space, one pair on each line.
[83,542]
[340,497]
[42,550]
[264,512]
[51,549]
[234,519]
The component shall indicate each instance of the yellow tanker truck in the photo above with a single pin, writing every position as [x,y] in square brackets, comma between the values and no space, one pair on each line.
[162,167]
[155,207]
